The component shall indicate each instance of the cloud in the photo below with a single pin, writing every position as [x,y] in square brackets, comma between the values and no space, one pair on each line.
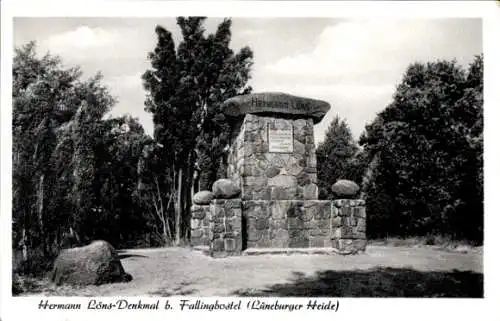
[125,82]
[356,64]
[100,45]
[82,38]
[356,48]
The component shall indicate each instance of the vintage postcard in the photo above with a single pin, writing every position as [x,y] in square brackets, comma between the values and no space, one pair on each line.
[239,159]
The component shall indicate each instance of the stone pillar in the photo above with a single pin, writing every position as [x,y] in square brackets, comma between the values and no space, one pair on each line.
[267,171]
[200,227]
[225,227]
[349,226]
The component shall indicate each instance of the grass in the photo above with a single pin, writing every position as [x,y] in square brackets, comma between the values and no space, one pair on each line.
[436,241]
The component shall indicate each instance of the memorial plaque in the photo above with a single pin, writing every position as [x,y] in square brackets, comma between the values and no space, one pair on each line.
[280,140]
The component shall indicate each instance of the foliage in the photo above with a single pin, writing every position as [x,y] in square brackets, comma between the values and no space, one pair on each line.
[427,148]
[338,157]
[74,172]
[185,87]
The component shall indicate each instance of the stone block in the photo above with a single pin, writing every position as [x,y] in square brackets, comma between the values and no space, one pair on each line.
[315,241]
[199,212]
[276,103]
[343,232]
[296,209]
[279,209]
[311,192]
[309,213]
[264,243]
[318,231]
[218,245]
[359,211]
[297,238]
[279,233]
[218,228]
[272,171]
[196,233]
[229,245]
[345,211]
[236,223]
[361,227]
[336,221]
[286,181]
[293,169]
[303,178]
[250,181]
[279,243]
[341,203]
[217,210]
[262,224]
[311,170]
[281,193]
[298,147]
[346,221]
[258,235]
[311,157]
[196,223]
[255,209]
[295,223]
[278,224]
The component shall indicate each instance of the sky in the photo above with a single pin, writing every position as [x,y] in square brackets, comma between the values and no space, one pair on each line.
[352,64]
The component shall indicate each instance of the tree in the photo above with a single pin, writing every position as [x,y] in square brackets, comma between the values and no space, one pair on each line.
[337,156]
[42,101]
[428,147]
[185,87]
[55,119]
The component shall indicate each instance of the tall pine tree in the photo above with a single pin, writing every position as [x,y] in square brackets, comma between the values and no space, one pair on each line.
[335,156]
[185,88]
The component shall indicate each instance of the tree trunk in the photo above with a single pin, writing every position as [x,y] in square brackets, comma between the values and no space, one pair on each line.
[40,201]
[24,245]
[178,208]
[188,197]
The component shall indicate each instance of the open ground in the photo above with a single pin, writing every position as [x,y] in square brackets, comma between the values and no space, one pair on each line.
[383,271]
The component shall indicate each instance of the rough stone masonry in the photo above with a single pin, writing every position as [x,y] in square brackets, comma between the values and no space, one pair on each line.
[272,162]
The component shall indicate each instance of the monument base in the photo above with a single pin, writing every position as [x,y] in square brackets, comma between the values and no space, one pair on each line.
[235,227]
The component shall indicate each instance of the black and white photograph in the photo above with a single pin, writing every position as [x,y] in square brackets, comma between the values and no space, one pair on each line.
[252,157]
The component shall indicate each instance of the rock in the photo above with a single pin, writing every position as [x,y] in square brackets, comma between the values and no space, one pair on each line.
[225,188]
[272,171]
[94,264]
[345,189]
[276,103]
[203,197]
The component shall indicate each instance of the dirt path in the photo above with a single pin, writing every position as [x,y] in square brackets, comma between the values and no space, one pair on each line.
[381,271]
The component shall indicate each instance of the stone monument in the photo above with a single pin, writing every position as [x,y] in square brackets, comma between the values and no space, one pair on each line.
[272,164]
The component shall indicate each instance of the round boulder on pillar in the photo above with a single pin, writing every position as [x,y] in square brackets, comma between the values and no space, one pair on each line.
[203,197]
[344,188]
[225,188]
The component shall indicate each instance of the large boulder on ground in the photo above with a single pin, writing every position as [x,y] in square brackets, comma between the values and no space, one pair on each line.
[203,197]
[344,188]
[225,188]
[94,264]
